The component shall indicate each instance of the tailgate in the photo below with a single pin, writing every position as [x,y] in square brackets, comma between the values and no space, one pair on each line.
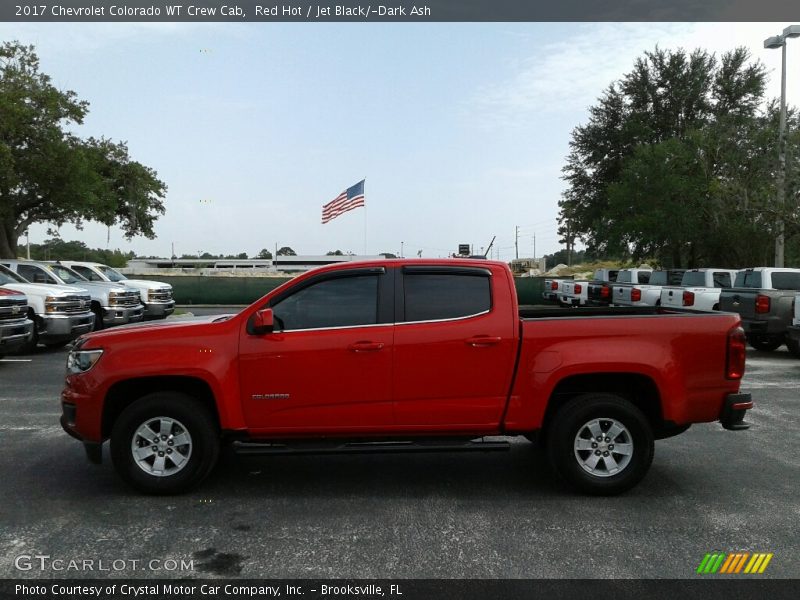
[621,294]
[672,296]
[739,300]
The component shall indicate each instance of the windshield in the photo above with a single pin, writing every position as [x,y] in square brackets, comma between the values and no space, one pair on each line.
[8,276]
[112,274]
[66,275]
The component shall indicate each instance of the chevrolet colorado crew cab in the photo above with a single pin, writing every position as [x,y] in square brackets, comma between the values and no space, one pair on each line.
[59,313]
[111,303]
[156,296]
[403,355]
[764,298]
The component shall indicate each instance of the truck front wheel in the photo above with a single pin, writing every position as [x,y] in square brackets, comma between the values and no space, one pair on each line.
[600,444]
[164,443]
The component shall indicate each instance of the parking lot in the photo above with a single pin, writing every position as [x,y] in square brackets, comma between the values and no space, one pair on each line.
[496,515]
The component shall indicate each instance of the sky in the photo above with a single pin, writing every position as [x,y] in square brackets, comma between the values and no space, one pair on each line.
[461,130]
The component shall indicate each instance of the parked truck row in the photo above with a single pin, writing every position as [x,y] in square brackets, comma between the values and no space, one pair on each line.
[764,297]
[51,304]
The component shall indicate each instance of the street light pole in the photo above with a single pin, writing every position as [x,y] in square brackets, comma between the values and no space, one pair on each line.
[774,42]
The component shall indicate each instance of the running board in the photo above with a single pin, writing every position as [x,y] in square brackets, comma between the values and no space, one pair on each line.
[386,447]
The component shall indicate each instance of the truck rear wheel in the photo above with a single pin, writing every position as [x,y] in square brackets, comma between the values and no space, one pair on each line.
[164,443]
[765,343]
[600,444]
[794,347]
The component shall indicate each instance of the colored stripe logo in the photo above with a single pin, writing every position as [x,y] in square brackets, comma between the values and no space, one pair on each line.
[734,563]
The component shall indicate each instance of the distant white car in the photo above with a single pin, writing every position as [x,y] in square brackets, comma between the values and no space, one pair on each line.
[552,289]
[156,296]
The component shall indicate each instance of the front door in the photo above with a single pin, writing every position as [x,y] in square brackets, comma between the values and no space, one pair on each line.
[326,368]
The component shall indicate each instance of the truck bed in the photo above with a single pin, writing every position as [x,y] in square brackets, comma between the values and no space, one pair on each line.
[539,312]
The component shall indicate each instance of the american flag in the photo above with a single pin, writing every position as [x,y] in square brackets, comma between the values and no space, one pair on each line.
[352,197]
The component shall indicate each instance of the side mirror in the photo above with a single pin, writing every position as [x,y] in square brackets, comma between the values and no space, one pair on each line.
[263,322]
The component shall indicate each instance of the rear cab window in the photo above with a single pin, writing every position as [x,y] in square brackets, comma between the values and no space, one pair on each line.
[786,281]
[748,279]
[436,294]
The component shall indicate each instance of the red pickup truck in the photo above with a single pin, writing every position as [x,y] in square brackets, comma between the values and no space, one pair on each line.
[403,355]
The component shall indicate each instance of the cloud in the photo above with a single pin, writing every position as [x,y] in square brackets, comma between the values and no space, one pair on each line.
[569,75]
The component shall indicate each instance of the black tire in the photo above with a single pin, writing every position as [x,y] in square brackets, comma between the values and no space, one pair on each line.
[98,318]
[193,418]
[794,347]
[765,343]
[30,346]
[57,345]
[571,421]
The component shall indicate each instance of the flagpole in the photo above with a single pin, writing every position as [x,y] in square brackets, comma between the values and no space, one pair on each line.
[365,217]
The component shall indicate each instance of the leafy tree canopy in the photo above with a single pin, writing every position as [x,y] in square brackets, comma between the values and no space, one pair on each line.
[677,161]
[50,175]
[286,251]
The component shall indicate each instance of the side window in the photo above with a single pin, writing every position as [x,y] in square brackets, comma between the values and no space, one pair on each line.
[87,272]
[786,281]
[340,302]
[34,274]
[434,296]
[722,280]
[657,278]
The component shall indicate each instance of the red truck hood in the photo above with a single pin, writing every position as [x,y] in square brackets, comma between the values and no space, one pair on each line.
[169,326]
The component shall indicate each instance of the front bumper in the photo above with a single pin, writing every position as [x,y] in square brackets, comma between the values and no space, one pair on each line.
[94,450]
[733,411]
[58,328]
[14,335]
[121,315]
[159,310]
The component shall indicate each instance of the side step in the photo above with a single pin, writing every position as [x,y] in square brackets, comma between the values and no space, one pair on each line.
[392,446]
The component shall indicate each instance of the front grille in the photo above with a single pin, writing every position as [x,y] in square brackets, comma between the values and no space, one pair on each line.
[164,295]
[12,309]
[125,299]
[71,304]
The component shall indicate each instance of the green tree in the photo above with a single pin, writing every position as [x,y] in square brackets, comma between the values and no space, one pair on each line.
[286,251]
[334,253]
[48,174]
[265,254]
[677,162]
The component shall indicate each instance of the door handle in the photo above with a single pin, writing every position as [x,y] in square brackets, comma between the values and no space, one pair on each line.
[365,346]
[481,341]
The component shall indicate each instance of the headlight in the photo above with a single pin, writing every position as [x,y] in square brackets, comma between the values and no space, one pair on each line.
[80,361]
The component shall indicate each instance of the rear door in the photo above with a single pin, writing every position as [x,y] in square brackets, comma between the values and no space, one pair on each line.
[454,348]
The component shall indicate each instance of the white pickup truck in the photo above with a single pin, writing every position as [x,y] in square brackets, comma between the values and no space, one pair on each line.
[552,289]
[574,293]
[793,332]
[622,290]
[646,293]
[60,313]
[156,296]
[16,328]
[699,289]
[111,303]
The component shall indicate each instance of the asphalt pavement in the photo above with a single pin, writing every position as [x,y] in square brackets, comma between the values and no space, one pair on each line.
[459,515]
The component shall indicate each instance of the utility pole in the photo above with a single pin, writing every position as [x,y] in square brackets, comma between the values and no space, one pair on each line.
[28,241]
[401,249]
[569,243]
[516,242]
[534,246]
